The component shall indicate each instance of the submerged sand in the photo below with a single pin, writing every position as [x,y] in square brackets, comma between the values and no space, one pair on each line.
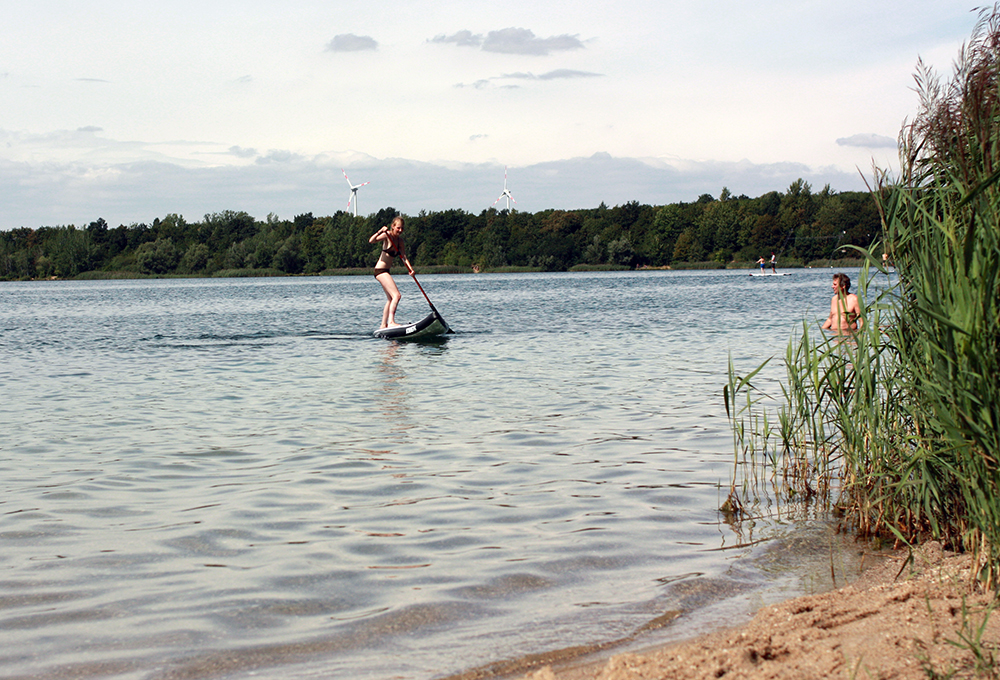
[911,616]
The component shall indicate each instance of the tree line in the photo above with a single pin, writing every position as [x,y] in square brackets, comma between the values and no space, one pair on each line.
[798,225]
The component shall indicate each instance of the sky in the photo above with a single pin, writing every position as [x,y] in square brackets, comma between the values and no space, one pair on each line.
[130,111]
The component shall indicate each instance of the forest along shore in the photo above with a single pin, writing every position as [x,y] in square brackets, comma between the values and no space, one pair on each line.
[798,226]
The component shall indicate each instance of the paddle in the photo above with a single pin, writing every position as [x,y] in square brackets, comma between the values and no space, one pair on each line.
[433,309]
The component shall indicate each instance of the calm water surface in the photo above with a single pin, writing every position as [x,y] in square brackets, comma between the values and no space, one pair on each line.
[233,478]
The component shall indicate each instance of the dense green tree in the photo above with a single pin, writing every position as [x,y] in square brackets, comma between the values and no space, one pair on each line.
[117,240]
[658,245]
[310,233]
[175,228]
[98,231]
[490,240]
[237,255]
[797,209]
[345,242]
[687,248]
[621,252]
[158,257]
[718,225]
[139,233]
[222,230]
[290,258]
[194,259]
[69,251]
[383,218]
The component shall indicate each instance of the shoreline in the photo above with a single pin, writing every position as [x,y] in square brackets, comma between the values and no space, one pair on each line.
[119,275]
[901,618]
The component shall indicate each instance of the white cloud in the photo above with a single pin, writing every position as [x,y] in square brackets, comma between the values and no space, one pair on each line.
[523,41]
[558,74]
[868,141]
[278,156]
[462,39]
[552,75]
[348,42]
[240,152]
[478,85]
[512,41]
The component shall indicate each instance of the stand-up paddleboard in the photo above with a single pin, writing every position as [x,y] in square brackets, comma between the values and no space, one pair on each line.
[770,274]
[431,326]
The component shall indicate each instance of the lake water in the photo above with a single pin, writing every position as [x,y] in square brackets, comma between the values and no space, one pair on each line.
[233,478]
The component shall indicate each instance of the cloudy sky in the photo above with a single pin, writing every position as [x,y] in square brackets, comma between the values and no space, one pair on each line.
[131,110]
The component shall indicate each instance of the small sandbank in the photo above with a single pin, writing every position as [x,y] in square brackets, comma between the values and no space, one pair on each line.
[903,618]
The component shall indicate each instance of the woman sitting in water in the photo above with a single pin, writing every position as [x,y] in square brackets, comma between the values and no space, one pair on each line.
[392,247]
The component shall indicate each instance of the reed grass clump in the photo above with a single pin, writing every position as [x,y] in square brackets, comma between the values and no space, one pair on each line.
[897,426]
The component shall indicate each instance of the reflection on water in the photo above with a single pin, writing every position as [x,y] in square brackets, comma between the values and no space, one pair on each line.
[211,477]
[391,394]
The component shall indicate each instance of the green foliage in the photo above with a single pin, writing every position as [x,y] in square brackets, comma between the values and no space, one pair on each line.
[245,273]
[194,259]
[688,248]
[158,257]
[797,225]
[903,417]
[290,259]
[597,268]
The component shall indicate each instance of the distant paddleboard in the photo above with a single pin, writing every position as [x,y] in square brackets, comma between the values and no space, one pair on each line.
[431,326]
[770,274]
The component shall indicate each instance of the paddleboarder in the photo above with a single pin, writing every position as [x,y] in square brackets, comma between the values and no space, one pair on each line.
[392,247]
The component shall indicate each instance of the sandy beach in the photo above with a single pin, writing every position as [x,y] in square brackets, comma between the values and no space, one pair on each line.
[903,618]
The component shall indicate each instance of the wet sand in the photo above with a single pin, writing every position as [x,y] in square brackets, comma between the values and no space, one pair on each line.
[903,618]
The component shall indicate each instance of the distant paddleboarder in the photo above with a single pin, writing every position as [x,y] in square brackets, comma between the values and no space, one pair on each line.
[392,247]
[774,264]
[761,262]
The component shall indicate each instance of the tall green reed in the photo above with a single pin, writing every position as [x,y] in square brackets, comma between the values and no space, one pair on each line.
[897,425]
[833,429]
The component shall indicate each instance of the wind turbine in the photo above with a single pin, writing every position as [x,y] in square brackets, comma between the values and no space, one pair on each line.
[506,192]
[354,192]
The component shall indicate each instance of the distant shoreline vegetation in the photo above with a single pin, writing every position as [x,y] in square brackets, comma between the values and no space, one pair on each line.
[801,227]
[449,269]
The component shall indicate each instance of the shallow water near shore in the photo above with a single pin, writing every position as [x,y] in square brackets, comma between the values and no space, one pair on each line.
[233,478]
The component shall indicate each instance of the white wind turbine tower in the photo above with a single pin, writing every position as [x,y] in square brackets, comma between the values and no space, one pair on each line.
[354,192]
[506,192]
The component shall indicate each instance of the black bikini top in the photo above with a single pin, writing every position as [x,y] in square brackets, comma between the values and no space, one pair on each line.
[389,247]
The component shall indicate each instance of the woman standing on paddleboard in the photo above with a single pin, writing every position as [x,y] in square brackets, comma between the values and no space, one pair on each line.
[392,247]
